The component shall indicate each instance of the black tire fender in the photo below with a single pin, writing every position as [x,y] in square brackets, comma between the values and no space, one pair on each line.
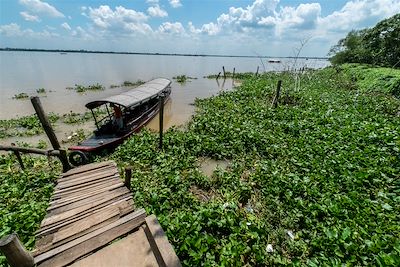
[78,158]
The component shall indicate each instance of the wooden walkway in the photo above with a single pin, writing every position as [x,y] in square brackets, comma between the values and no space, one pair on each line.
[91,221]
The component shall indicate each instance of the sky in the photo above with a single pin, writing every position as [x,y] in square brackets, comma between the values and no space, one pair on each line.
[228,27]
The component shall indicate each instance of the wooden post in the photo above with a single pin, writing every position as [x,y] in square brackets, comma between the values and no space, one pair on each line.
[233,74]
[161,114]
[258,67]
[276,98]
[219,74]
[15,252]
[18,155]
[37,105]
[223,69]
[64,160]
[128,177]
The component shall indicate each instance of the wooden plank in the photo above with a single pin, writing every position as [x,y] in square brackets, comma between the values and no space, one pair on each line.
[88,178]
[82,195]
[56,216]
[80,216]
[105,195]
[133,250]
[81,227]
[74,189]
[71,251]
[88,167]
[74,176]
[162,249]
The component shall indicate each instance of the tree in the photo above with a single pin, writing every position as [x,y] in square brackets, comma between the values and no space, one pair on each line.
[379,45]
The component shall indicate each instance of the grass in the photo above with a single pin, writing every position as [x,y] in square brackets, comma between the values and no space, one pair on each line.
[313,182]
[374,79]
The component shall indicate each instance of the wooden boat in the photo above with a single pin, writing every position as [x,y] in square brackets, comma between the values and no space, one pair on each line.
[274,61]
[132,110]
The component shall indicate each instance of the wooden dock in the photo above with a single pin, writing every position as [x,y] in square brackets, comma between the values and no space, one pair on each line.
[92,221]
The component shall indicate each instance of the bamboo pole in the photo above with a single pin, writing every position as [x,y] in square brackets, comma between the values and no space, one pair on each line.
[219,74]
[223,69]
[161,115]
[55,153]
[15,252]
[233,74]
[278,91]
[37,105]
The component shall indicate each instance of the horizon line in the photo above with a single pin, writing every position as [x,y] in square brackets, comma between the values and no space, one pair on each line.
[83,51]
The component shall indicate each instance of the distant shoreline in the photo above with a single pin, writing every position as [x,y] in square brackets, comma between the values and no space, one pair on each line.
[147,54]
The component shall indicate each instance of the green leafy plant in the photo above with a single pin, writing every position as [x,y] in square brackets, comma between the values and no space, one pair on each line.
[21,96]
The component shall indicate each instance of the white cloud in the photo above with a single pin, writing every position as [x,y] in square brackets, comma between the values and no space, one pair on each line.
[37,6]
[175,3]
[14,30]
[80,33]
[156,11]
[66,26]
[152,1]
[119,21]
[29,17]
[354,13]
[171,27]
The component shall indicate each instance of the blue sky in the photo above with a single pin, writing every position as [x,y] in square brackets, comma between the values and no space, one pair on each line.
[243,27]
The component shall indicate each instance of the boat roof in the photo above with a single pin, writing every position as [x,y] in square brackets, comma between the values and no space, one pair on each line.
[136,96]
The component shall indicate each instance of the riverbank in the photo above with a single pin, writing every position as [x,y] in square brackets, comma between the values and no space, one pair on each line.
[313,181]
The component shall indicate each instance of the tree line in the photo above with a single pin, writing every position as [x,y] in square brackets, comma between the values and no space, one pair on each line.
[379,45]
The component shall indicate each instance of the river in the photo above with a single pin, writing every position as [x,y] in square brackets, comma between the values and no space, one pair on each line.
[25,72]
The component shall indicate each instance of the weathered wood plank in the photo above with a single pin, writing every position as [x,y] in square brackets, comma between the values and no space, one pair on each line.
[74,189]
[82,195]
[78,175]
[71,251]
[88,167]
[91,199]
[162,249]
[46,230]
[133,251]
[88,178]
[79,228]
[58,215]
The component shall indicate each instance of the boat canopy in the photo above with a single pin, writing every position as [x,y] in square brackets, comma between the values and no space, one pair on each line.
[136,96]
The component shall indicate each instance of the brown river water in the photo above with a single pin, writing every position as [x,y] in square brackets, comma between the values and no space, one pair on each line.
[25,72]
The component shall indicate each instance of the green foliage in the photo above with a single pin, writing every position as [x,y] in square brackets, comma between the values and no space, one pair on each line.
[379,45]
[370,79]
[81,89]
[21,96]
[182,78]
[41,91]
[24,196]
[24,126]
[323,166]
[240,75]
[128,84]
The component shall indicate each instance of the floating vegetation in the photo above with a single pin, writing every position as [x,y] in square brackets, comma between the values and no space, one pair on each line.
[183,78]
[309,183]
[24,126]
[313,182]
[21,96]
[75,137]
[41,91]
[81,88]
[128,84]
[76,118]
[239,76]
